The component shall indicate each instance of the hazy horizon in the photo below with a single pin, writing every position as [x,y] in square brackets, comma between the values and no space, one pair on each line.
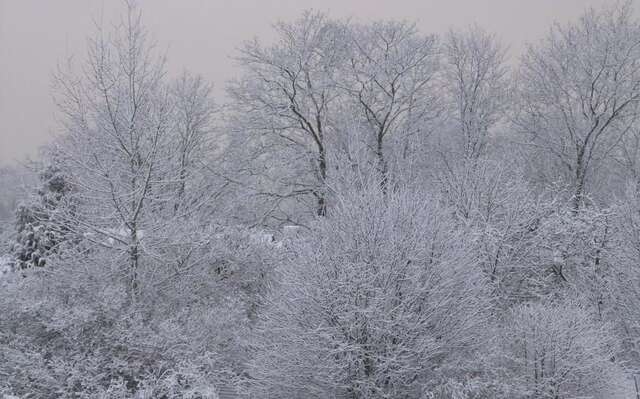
[36,35]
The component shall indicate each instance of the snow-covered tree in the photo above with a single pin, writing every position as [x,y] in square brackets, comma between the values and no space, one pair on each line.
[380,299]
[390,81]
[475,77]
[579,93]
[356,222]
[284,102]
[39,227]
[116,116]
[192,138]
[558,351]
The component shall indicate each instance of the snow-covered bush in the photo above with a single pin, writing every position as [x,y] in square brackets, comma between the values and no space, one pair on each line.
[557,351]
[69,329]
[381,299]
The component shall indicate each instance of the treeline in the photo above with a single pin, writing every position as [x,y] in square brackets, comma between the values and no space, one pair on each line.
[372,212]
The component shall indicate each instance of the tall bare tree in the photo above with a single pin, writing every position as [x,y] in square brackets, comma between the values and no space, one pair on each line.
[579,92]
[287,93]
[116,119]
[475,74]
[194,117]
[390,78]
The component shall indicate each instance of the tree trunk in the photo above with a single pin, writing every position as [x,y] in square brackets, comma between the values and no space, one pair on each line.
[382,164]
[578,194]
[322,165]
[133,262]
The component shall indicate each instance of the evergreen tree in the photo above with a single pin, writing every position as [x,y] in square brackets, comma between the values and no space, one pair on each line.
[38,231]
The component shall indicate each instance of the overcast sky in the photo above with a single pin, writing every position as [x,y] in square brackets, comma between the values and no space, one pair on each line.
[201,35]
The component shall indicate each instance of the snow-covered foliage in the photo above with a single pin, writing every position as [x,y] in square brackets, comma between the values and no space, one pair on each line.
[376,212]
[380,300]
[556,350]
[40,230]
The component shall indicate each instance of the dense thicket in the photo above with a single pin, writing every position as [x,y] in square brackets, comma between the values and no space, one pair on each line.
[373,212]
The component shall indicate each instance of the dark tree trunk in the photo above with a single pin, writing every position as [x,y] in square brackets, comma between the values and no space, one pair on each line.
[322,166]
[382,164]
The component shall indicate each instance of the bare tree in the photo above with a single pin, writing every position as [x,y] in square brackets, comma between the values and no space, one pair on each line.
[623,294]
[475,76]
[194,116]
[116,117]
[579,92]
[558,351]
[287,94]
[390,79]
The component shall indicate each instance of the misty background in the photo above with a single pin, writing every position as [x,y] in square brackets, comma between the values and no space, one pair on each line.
[200,35]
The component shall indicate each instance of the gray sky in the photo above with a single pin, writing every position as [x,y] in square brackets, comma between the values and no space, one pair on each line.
[200,35]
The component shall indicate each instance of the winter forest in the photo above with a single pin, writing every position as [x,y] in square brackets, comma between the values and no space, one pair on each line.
[371,211]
